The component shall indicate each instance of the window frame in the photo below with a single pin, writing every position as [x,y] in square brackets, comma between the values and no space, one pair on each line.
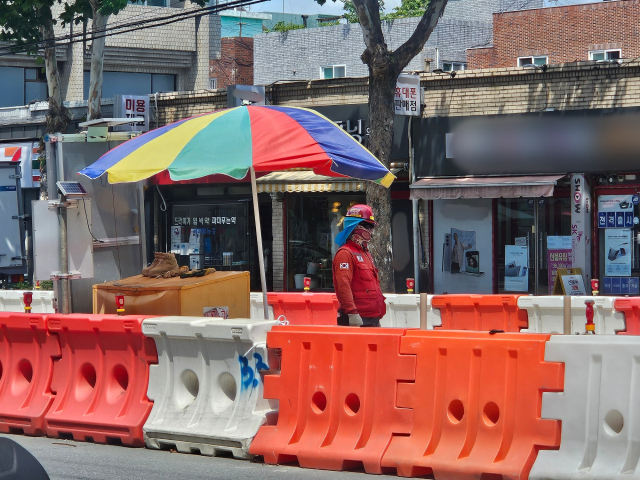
[213,83]
[333,71]
[605,52]
[453,64]
[533,60]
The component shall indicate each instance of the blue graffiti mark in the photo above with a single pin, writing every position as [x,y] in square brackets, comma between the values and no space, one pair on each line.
[260,365]
[248,377]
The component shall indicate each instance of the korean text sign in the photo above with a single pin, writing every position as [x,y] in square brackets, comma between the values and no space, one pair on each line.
[407,97]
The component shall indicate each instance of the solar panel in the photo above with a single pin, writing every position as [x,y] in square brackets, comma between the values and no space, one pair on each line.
[71,189]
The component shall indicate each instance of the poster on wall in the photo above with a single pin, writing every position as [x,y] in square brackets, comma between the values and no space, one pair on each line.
[463,251]
[617,251]
[516,268]
[464,255]
[616,211]
[558,256]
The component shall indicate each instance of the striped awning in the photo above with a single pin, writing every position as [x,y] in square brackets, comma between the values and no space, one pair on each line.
[305,181]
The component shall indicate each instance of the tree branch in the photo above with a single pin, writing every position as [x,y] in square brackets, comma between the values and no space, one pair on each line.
[369,15]
[415,44]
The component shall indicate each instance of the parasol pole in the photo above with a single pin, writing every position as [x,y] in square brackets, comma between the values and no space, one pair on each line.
[256,214]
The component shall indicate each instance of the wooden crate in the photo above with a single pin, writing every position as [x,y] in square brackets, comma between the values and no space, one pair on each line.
[176,296]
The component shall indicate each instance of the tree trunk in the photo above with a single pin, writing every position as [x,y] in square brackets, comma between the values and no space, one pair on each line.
[382,82]
[57,119]
[97,62]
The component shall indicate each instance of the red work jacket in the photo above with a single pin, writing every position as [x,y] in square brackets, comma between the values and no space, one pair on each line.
[355,279]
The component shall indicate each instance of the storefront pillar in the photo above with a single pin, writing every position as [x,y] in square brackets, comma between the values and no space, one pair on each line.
[278,253]
[581,225]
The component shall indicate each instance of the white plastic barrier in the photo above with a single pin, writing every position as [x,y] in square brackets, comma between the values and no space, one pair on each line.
[546,314]
[403,311]
[11,301]
[256,309]
[207,386]
[599,409]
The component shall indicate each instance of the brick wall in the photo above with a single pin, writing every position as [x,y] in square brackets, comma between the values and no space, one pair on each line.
[564,34]
[235,66]
[571,86]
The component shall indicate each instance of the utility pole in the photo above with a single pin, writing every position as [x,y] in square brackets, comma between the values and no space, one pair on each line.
[241,24]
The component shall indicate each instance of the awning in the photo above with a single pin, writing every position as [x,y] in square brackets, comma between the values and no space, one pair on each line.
[484,187]
[307,181]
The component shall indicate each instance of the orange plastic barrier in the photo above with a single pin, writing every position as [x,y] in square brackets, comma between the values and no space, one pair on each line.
[101,380]
[305,308]
[337,397]
[631,309]
[27,352]
[480,312]
[476,405]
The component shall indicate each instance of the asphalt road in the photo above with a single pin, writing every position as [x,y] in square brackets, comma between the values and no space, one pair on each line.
[70,460]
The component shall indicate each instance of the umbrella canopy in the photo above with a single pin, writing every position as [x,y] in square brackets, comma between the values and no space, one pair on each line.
[230,142]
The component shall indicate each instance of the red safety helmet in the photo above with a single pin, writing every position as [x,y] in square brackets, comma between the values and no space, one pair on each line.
[362,211]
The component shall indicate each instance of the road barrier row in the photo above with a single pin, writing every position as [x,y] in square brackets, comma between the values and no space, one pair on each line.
[320,308]
[453,404]
[508,313]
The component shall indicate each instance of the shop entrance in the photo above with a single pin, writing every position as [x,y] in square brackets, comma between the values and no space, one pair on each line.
[533,240]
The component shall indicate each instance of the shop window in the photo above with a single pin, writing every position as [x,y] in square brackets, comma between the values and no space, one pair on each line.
[453,66]
[619,243]
[526,261]
[211,235]
[605,55]
[313,221]
[333,71]
[538,60]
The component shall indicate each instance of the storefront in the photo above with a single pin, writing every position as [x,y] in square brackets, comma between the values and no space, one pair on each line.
[208,223]
[495,235]
[617,234]
[512,209]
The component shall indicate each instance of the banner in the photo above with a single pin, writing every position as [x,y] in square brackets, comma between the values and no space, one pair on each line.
[617,251]
[558,256]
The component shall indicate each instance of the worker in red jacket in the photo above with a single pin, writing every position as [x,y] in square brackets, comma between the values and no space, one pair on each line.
[355,277]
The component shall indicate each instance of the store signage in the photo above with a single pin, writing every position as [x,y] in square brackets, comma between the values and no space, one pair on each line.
[621,286]
[407,97]
[205,221]
[356,128]
[581,222]
[615,211]
[573,285]
[558,257]
[131,106]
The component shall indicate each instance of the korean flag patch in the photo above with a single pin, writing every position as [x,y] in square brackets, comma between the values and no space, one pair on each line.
[344,266]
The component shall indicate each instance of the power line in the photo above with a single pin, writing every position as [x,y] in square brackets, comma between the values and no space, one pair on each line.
[109,30]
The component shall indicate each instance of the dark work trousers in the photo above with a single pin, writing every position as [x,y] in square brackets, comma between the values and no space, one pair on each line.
[343,320]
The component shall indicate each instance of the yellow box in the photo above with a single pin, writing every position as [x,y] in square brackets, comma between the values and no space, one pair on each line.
[176,296]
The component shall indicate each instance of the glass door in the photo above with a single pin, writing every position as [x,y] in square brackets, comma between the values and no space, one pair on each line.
[531,241]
